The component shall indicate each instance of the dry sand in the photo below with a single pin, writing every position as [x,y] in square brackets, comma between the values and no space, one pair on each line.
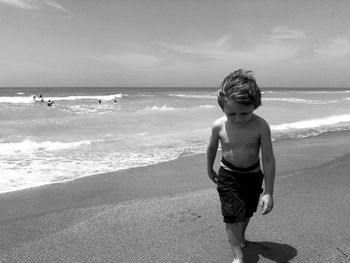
[170,212]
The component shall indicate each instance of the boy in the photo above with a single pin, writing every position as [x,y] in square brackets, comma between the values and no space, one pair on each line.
[241,134]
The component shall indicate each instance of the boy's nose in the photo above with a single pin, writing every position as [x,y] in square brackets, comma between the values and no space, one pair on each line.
[239,119]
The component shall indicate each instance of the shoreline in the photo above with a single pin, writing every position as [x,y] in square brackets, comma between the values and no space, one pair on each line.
[181,175]
[302,146]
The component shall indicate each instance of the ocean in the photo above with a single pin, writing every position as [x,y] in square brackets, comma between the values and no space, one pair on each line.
[88,131]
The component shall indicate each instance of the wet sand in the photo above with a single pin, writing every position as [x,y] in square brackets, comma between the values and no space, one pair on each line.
[170,212]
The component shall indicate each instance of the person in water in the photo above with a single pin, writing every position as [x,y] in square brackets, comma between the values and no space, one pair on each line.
[242,134]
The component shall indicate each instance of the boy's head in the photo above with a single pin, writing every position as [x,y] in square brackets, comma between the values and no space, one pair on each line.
[240,87]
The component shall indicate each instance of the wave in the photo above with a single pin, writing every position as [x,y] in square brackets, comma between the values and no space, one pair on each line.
[325,92]
[207,106]
[308,133]
[301,101]
[163,108]
[313,123]
[28,146]
[95,97]
[308,91]
[50,169]
[147,95]
[87,109]
[311,127]
[29,99]
[16,99]
[167,108]
[192,96]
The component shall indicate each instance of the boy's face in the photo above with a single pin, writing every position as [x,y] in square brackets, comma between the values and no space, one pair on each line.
[238,114]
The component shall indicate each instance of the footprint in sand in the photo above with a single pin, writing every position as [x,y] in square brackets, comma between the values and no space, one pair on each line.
[184,216]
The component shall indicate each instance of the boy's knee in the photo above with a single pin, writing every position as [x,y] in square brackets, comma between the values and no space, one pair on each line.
[233,226]
[234,231]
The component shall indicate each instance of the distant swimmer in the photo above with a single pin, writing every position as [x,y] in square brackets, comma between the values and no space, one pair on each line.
[49,103]
[35,99]
[115,101]
[99,101]
[41,98]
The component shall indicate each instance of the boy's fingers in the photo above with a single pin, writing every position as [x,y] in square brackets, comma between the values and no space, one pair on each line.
[266,210]
[261,204]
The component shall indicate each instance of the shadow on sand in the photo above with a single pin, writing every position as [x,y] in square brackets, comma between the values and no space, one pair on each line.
[279,253]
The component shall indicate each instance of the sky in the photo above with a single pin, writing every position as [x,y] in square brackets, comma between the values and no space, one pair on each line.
[173,43]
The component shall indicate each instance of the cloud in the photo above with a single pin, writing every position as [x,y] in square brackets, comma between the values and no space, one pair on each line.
[282,32]
[336,47]
[222,50]
[56,5]
[22,4]
[131,59]
[35,4]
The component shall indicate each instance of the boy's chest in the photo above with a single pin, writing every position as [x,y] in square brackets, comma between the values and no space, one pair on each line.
[239,137]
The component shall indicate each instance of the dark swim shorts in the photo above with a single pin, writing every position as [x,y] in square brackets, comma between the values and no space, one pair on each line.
[239,194]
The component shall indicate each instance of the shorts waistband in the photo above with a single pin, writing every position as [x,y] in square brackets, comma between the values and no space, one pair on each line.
[240,169]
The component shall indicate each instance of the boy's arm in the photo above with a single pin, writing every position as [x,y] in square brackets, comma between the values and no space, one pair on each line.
[269,167]
[211,152]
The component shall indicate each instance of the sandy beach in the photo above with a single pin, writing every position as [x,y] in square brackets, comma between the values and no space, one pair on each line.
[107,110]
[170,212]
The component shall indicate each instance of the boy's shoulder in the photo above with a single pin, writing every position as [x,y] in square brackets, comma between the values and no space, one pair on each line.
[261,124]
[220,121]
[259,120]
[218,124]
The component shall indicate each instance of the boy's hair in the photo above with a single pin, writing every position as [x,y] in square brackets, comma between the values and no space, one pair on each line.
[240,86]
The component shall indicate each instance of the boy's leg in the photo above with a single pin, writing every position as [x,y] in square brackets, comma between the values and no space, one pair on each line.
[234,236]
[244,226]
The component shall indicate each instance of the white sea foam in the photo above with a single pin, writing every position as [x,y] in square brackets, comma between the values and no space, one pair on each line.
[207,106]
[167,108]
[308,91]
[301,101]
[94,108]
[28,146]
[324,92]
[29,99]
[193,96]
[24,173]
[17,99]
[94,97]
[147,95]
[312,123]
[163,108]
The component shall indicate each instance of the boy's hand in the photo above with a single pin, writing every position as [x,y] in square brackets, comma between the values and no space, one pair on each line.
[213,176]
[266,203]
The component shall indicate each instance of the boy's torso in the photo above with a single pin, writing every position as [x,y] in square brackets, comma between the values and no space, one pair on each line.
[240,145]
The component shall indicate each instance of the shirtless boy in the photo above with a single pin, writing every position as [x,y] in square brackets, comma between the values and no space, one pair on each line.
[242,134]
